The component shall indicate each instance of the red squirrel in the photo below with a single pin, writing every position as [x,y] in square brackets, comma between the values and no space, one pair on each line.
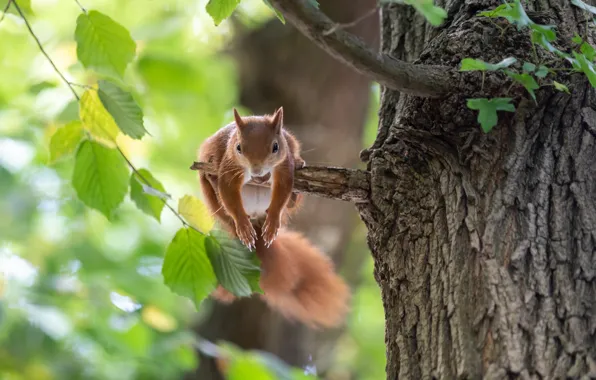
[297,279]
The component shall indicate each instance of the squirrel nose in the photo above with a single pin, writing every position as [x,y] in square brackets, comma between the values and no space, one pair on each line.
[257,172]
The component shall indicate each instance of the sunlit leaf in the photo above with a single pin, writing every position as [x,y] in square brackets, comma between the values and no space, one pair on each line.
[100,177]
[103,45]
[158,319]
[487,110]
[149,204]
[525,80]
[247,367]
[124,109]
[236,268]
[220,10]
[187,270]
[137,339]
[96,120]
[470,64]
[584,6]
[196,213]
[65,140]
[561,87]
[279,15]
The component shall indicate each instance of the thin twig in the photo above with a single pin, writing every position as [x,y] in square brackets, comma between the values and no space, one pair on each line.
[80,6]
[351,24]
[414,79]
[43,50]
[5,10]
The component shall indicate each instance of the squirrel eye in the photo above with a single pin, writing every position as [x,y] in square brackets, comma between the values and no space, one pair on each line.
[239,149]
[275,147]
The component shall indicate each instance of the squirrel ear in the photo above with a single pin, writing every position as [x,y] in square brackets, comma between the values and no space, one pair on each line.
[277,119]
[238,119]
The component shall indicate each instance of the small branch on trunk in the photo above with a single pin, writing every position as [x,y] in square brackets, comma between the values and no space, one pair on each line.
[334,183]
[418,80]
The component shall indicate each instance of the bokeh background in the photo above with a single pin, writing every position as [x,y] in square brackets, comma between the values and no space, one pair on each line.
[82,297]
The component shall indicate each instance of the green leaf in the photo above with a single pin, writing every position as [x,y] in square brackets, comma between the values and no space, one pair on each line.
[196,213]
[314,3]
[65,140]
[103,45]
[433,14]
[96,120]
[149,204]
[236,268]
[470,64]
[186,267]
[126,112]
[529,67]
[588,50]
[525,80]
[560,87]
[587,67]
[541,72]
[220,10]
[500,11]
[100,177]
[248,367]
[279,15]
[25,6]
[546,30]
[487,115]
[538,38]
[584,6]
[576,39]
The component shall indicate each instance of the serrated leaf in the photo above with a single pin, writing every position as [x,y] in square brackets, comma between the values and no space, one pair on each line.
[584,6]
[470,64]
[100,177]
[65,140]
[196,213]
[586,67]
[529,67]
[220,10]
[103,45]
[236,268]
[149,204]
[541,72]
[525,80]
[279,15]
[561,87]
[186,268]
[96,120]
[124,109]
[487,110]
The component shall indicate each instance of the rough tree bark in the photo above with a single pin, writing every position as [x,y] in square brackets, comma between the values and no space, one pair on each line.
[324,102]
[484,244]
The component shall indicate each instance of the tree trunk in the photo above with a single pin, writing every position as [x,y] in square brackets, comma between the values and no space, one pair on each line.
[484,244]
[323,102]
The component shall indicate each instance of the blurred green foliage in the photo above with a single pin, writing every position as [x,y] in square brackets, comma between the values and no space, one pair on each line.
[81,296]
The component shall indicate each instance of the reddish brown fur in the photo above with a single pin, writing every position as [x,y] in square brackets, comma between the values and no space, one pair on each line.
[298,280]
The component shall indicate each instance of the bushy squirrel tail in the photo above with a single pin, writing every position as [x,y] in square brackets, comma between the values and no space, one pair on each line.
[299,281]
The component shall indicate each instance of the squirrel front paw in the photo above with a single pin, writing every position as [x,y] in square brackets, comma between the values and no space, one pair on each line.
[299,163]
[246,233]
[270,228]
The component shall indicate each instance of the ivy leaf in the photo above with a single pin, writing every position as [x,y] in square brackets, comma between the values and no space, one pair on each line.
[186,268]
[576,39]
[427,8]
[103,45]
[196,213]
[529,67]
[500,11]
[588,50]
[65,140]
[560,87]
[100,177]
[470,64]
[540,39]
[525,80]
[146,202]
[96,120]
[584,6]
[541,72]
[220,10]
[587,67]
[126,112]
[279,15]
[236,268]
[487,110]
[546,30]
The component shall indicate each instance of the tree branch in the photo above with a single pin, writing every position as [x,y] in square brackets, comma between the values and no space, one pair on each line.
[418,80]
[334,183]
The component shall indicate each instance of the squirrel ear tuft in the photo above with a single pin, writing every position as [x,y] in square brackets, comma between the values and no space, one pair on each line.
[277,119]
[238,119]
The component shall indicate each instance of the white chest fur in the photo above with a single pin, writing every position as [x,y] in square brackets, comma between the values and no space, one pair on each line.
[256,199]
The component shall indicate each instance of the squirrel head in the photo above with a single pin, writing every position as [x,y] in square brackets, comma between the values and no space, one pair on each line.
[259,144]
